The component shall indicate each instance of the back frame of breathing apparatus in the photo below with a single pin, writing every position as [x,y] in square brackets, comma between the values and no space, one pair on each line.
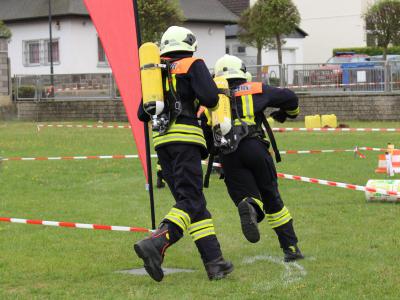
[226,134]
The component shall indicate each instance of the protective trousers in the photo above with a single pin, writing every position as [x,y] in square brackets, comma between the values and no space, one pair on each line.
[181,167]
[250,175]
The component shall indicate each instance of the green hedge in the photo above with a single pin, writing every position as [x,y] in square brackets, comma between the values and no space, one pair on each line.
[369,50]
[26,91]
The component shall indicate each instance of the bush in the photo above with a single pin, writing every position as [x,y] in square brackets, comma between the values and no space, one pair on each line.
[369,50]
[26,91]
[273,81]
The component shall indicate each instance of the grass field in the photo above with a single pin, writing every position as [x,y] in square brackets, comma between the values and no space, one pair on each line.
[351,246]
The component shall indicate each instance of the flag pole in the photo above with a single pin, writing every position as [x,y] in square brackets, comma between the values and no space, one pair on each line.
[146,131]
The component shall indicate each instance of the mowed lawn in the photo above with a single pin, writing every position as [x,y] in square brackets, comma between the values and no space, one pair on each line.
[351,246]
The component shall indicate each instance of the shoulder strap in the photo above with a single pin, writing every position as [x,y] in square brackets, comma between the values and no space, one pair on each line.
[183,65]
[248,88]
[271,139]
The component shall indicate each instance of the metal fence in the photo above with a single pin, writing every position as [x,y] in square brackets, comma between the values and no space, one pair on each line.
[65,87]
[358,77]
[368,77]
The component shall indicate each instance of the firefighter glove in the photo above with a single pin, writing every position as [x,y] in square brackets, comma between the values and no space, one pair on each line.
[279,115]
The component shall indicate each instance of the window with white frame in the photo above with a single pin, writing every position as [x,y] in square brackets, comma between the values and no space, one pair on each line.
[55,50]
[101,54]
[37,52]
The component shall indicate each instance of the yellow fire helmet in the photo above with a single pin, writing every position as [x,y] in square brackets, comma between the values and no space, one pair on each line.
[177,38]
[230,66]
[249,77]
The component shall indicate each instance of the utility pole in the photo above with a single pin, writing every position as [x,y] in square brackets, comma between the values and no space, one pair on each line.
[146,131]
[50,52]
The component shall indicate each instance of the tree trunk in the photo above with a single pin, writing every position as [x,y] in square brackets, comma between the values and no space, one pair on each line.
[279,47]
[385,49]
[259,62]
[387,68]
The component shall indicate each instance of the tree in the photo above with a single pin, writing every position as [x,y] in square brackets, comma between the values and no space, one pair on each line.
[155,16]
[268,21]
[4,31]
[383,22]
[283,19]
[252,30]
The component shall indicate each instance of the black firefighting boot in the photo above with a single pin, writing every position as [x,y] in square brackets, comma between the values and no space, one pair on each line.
[248,220]
[292,253]
[211,255]
[218,268]
[152,250]
[288,241]
[160,183]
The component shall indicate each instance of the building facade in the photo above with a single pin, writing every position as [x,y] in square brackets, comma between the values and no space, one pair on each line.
[332,24]
[292,50]
[76,47]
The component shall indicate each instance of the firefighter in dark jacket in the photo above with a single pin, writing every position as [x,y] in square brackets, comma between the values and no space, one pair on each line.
[180,150]
[250,174]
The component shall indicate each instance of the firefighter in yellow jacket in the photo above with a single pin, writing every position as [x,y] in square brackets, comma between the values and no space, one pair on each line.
[180,146]
[250,174]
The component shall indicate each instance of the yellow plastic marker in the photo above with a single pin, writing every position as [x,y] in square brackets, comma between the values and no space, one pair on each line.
[329,121]
[313,121]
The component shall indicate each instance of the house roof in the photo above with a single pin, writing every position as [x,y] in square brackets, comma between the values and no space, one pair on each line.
[236,6]
[231,32]
[207,11]
[15,10]
[194,10]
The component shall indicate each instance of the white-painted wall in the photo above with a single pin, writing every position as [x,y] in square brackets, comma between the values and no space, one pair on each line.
[292,52]
[211,41]
[331,24]
[78,45]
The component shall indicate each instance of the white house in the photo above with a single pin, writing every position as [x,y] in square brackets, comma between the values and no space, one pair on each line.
[332,24]
[76,46]
[292,50]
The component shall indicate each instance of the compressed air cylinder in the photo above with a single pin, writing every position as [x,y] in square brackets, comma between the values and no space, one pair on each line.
[313,121]
[222,116]
[151,78]
[389,185]
[329,121]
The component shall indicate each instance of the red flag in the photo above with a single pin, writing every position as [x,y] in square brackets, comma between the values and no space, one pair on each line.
[116,27]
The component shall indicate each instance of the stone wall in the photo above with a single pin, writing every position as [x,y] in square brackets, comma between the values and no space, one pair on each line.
[346,107]
[8,112]
[368,107]
[98,110]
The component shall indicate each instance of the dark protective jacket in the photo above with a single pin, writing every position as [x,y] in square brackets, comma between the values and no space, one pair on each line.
[194,86]
[252,98]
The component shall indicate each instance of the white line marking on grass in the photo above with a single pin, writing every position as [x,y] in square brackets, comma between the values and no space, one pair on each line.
[293,271]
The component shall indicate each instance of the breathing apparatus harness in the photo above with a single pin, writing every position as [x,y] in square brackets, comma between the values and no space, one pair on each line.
[229,143]
[174,107]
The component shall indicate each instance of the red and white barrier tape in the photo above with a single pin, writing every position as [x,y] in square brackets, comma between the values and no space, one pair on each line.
[74,225]
[80,126]
[73,157]
[274,129]
[338,184]
[341,84]
[330,183]
[337,129]
[128,156]
[374,149]
[315,151]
